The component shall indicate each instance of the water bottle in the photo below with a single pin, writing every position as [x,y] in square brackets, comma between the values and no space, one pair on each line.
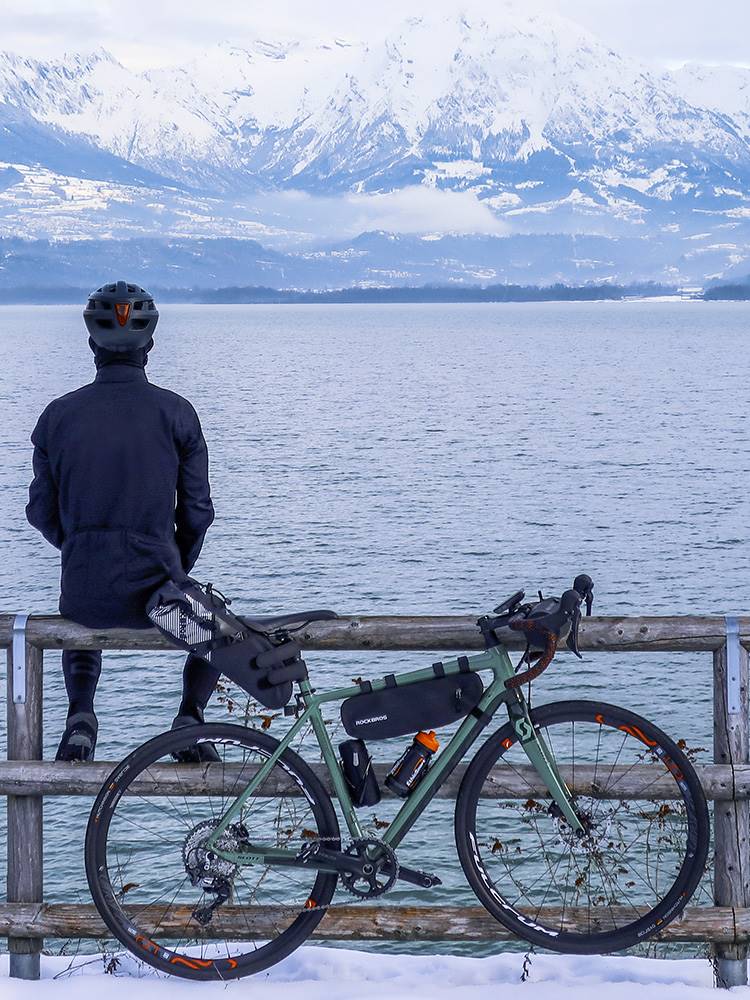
[412,765]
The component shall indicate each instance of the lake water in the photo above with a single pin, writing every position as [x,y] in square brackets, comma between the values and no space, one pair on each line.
[422,459]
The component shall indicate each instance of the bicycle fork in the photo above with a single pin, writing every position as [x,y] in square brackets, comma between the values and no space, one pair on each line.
[543,760]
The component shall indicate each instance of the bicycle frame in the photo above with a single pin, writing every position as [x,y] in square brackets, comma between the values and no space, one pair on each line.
[497,660]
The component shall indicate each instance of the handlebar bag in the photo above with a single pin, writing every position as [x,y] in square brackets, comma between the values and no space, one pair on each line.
[404,709]
[197,618]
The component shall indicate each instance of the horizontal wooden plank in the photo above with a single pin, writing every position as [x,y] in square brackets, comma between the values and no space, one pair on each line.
[412,632]
[56,778]
[355,922]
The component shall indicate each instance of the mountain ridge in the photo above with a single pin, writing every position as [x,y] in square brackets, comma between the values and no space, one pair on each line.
[545,128]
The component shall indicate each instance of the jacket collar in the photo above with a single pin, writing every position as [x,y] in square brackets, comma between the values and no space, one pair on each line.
[120,373]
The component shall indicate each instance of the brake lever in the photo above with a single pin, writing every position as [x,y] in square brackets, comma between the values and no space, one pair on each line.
[584,585]
[572,641]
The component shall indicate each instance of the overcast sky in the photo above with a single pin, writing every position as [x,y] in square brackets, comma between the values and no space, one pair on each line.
[143,33]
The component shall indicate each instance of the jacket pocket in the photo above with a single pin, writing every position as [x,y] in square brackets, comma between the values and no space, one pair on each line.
[94,565]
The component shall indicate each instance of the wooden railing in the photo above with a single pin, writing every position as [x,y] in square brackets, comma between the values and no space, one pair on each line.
[25,778]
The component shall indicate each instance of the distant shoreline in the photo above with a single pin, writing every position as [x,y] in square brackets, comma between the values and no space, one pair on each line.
[255,295]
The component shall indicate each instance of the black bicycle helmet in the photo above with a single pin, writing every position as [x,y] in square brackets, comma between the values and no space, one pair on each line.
[120,316]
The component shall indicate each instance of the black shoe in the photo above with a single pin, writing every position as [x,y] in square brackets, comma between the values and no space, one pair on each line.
[200,753]
[79,739]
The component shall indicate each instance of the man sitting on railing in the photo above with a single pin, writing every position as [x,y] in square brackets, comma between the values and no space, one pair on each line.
[121,487]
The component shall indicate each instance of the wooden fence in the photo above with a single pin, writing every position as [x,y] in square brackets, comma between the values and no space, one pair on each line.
[25,778]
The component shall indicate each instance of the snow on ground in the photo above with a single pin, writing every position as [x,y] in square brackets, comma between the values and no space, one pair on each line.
[318,973]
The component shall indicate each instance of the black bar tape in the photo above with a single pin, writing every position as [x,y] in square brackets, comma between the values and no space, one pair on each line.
[463,665]
[438,669]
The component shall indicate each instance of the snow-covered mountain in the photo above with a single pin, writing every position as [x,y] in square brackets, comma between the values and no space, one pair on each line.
[439,91]
[723,89]
[542,124]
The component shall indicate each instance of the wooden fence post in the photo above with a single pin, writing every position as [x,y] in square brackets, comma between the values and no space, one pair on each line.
[25,844]
[731,816]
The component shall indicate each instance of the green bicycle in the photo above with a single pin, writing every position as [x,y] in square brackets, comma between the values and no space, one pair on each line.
[580,826]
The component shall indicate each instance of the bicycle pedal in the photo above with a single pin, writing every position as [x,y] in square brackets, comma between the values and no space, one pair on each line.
[414,876]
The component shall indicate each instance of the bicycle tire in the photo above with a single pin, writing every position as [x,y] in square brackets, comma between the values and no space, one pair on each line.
[140,941]
[474,856]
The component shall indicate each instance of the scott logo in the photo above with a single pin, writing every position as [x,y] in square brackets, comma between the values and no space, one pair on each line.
[524,729]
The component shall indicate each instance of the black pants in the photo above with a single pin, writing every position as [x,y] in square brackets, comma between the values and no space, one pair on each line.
[82,668]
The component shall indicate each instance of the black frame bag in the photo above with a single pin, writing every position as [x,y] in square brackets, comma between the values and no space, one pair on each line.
[406,709]
[197,618]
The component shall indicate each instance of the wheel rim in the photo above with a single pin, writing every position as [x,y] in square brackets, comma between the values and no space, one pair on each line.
[637,863]
[156,882]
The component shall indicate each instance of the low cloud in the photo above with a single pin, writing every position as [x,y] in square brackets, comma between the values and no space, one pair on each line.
[296,215]
[423,210]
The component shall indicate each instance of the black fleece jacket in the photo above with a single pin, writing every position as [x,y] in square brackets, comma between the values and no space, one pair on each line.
[121,487]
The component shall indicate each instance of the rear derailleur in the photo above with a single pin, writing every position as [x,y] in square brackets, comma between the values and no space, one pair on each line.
[221,891]
[207,870]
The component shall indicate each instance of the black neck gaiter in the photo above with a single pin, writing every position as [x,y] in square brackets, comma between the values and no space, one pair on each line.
[135,359]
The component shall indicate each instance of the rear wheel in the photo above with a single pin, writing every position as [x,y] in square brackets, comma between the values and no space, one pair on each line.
[646,830]
[181,908]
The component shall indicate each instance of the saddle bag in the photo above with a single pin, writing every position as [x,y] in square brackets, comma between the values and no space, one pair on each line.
[197,618]
[405,709]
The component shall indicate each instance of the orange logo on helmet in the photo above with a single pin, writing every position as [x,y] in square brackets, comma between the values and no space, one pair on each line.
[122,311]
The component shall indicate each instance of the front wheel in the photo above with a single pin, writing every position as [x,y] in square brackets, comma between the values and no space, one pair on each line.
[175,903]
[645,840]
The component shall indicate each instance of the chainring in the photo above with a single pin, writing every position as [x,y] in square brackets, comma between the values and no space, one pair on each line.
[373,881]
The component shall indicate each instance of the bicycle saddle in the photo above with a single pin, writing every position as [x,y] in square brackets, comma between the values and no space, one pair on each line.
[267,623]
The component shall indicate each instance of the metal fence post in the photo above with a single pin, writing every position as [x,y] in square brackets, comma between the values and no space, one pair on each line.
[731,816]
[25,843]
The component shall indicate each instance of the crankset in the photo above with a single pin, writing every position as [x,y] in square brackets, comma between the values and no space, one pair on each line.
[378,868]
[349,864]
